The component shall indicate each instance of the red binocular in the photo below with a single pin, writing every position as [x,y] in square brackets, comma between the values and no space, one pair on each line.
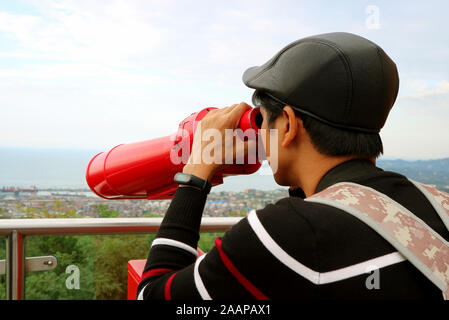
[145,170]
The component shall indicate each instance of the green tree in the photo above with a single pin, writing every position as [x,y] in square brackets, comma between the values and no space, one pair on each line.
[76,251]
[150,214]
[111,263]
[102,260]
[103,211]
[207,240]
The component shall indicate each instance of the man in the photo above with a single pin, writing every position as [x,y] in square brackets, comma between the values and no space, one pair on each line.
[327,97]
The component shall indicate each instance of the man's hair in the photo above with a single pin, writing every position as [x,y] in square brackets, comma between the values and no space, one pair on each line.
[326,139]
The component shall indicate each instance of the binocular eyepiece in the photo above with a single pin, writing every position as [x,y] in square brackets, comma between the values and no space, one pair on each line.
[145,170]
[251,119]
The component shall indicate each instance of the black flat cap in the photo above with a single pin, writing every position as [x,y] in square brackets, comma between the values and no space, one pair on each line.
[339,78]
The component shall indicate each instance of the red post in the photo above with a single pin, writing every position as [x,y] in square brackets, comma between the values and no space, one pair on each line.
[135,270]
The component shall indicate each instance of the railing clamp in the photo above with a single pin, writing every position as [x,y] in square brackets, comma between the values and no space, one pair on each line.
[32,264]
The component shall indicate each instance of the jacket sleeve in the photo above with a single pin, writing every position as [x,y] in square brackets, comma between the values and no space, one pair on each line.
[238,266]
[173,269]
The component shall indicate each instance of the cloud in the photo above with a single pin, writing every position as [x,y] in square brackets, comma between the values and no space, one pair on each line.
[61,73]
[93,73]
[423,89]
[417,126]
[103,33]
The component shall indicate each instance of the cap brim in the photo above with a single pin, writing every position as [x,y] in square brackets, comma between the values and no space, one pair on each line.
[249,77]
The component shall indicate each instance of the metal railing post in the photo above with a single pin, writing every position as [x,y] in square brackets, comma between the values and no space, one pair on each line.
[15,270]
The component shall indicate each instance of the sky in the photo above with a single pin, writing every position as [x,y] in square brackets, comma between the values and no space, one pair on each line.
[95,74]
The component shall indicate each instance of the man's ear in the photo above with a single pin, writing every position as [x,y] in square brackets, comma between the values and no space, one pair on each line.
[290,128]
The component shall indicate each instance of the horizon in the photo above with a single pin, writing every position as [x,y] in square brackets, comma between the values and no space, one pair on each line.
[51,167]
[95,151]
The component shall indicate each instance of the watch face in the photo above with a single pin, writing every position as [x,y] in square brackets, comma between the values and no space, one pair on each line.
[183,178]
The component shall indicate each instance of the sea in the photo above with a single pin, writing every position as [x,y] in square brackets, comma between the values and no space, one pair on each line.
[66,168]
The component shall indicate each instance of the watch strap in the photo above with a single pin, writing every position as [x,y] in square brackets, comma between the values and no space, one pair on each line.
[192,180]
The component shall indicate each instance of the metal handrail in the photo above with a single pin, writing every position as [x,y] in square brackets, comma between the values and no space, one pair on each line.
[17,229]
[102,225]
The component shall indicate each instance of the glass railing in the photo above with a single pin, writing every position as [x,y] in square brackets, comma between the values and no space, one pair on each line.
[80,259]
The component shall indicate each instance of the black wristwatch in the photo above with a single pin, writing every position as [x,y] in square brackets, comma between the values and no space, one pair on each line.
[191,180]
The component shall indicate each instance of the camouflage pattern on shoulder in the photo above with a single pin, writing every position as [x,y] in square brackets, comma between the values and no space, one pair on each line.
[441,197]
[437,198]
[421,245]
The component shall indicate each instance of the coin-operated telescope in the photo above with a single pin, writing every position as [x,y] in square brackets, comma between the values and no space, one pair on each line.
[145,170]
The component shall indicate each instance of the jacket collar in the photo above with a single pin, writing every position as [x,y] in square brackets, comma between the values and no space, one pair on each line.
[345,171]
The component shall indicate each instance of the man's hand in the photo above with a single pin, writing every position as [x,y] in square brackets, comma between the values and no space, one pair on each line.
[217,121]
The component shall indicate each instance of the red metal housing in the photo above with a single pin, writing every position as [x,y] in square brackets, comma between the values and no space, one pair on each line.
[145,170]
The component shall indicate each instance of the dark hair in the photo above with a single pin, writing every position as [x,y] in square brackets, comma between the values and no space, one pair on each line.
[328,140]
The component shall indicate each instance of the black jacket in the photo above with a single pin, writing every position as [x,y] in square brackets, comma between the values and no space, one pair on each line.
[293,249]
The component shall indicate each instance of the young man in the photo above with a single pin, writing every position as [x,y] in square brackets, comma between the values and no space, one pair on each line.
[326,97]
